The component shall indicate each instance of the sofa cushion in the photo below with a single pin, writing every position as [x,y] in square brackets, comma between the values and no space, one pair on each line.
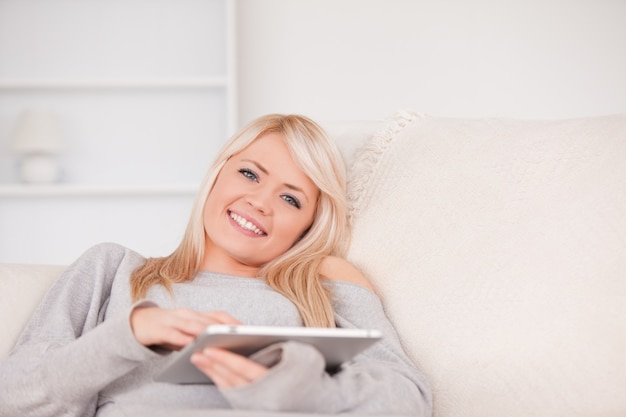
[21,288]
[351,135]
[499,250]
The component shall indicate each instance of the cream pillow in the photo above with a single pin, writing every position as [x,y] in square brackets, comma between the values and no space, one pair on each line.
[21,289]
[499,250]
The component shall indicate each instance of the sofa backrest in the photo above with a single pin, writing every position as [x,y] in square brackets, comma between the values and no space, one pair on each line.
[499,250]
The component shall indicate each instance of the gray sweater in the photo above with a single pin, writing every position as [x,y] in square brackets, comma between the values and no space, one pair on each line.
[77,355]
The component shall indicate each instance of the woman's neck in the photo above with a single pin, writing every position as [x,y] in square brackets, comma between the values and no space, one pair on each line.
[215,260]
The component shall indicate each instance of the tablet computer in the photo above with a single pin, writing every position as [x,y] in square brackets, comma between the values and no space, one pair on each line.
[337,345]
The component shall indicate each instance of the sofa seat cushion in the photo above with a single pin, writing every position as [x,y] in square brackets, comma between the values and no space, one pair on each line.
[499,249]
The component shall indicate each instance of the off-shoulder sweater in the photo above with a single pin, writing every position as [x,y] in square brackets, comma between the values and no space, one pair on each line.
[77,356]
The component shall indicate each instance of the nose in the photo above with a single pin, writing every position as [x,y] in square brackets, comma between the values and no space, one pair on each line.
[259,200]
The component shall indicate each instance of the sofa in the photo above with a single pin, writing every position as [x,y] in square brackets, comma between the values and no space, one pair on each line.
[498,247]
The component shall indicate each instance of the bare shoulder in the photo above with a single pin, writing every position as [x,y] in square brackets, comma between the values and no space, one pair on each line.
[339,269]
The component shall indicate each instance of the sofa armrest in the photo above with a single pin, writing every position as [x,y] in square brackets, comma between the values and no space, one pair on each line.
[21,289]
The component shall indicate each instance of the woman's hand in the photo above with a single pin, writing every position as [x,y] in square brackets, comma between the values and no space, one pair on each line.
[173,329]
[227,369]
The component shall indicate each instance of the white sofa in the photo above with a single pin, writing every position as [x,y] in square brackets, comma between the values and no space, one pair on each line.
[499,250]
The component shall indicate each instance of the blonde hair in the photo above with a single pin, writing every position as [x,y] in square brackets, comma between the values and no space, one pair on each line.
[295,273]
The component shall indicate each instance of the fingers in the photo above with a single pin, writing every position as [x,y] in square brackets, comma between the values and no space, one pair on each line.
[222,317]
[185,321]
[168,328]
[227,369]
[184,325]
[197,321]
[173,329]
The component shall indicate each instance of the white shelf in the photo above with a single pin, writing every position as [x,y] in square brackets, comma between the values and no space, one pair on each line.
[140,83]
[77,190]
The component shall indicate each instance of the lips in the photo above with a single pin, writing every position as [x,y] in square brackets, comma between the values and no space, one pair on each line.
[246,224]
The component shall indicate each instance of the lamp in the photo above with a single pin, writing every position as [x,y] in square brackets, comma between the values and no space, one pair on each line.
[38,137]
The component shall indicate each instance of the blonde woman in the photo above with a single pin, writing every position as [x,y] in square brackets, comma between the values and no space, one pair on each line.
[263,246]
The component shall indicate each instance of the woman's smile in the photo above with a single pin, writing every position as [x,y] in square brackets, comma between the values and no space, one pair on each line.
[247,226]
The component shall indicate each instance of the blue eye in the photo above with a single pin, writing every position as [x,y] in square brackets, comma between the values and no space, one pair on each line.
[292,200]
[248,174]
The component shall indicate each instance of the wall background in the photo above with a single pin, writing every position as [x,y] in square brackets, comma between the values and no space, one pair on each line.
[360,59]
[334,60]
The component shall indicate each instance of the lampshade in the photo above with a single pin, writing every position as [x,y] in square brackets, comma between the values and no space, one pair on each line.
[38,130]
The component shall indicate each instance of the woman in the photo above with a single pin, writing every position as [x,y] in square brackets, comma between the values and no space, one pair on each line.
[263,246]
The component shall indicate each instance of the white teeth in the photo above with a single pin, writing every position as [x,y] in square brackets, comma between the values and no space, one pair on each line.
[245,224]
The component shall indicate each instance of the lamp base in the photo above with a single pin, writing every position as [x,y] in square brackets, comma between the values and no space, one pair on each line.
[39,169]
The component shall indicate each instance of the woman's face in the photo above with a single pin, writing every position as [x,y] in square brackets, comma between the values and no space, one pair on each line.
[260,205]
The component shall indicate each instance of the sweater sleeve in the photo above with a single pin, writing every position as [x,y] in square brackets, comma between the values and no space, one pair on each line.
[67,353]
[381,380]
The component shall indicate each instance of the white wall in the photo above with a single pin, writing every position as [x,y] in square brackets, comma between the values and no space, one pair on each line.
[356,59]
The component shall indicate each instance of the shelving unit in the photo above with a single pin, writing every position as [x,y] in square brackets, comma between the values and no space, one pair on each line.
[147,100]
[139,83]
[74,190]
[202,79]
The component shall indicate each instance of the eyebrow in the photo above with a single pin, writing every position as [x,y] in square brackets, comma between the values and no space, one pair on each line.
[266,172]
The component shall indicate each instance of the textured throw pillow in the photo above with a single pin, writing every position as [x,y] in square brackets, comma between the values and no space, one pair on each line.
[499,250]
